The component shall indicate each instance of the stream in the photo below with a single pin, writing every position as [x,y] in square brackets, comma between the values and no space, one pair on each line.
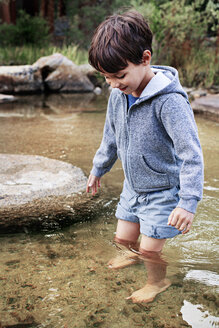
[59,278]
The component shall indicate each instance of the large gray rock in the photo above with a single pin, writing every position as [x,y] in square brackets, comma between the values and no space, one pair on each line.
[61,74]
[20,79]
[208,106]
[36,192]
[55,73]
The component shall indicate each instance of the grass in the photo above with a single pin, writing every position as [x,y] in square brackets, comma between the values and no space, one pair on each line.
[27,55]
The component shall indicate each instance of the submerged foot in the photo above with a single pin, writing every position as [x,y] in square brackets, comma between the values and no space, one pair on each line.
[123,260]
[149,292]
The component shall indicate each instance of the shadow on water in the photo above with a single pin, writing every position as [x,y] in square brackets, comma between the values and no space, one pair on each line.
[59,277]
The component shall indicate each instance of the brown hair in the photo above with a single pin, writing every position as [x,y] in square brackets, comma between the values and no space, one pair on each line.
[119,39]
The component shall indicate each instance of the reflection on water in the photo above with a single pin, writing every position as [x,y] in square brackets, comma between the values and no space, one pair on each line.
[197,317]
[204,276]
[60,278]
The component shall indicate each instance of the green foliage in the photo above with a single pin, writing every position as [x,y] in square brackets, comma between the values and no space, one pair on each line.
[28,30]
[28,54]
[185,34]
[85,16]
[181,37]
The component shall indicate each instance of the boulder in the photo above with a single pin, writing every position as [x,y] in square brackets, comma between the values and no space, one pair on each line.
[20,79]
[208,106]
[62,75]
[39,192]
[87,69]
[55,73]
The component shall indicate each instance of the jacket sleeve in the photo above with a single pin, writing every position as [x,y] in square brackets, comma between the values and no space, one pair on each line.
[178,119]
[106,155]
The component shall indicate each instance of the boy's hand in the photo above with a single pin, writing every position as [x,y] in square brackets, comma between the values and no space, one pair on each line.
[93,182]
[181,219]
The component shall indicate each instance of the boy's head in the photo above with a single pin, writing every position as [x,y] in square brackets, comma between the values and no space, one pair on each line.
[118,40]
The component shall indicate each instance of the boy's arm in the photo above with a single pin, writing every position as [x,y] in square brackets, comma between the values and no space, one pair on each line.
[106,155]
[178,120]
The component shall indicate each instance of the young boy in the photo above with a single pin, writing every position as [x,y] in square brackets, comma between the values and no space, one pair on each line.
[150,127]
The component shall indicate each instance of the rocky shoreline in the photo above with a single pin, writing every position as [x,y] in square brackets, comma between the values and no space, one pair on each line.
[56,73]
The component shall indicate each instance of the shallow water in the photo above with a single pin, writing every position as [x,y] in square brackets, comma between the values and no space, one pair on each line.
[59,278]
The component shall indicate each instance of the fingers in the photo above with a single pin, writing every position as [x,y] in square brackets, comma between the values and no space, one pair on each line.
[181,219]
[88,184]
[92,184]
[171,220]
[187,228]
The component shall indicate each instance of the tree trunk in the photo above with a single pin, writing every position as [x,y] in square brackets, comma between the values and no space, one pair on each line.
[31,7]
[8,12]
[47,10]
[43,8]
[61,8]
[13,11]
[51,10]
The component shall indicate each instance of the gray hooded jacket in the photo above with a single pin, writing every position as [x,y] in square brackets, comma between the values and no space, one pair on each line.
[156,139]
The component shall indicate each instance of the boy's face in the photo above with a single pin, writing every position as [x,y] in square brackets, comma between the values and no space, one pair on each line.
[131,80]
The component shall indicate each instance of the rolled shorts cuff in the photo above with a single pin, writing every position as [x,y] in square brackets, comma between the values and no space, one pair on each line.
[159,232]
[122,214]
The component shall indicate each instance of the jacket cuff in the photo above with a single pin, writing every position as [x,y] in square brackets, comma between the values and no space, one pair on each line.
[189,205]
[97,172]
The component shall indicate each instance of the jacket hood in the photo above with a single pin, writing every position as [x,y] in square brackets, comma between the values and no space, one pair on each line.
[165,81]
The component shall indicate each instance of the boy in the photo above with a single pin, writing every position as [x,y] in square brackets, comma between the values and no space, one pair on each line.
[150,127]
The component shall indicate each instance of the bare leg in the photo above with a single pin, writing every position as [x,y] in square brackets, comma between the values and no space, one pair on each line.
[127,230]
[150,250]
[127,234]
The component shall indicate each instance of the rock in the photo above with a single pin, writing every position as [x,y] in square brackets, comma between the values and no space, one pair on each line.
[40,192]
[198,93]
[62,75]
[188,90]
[20,79]
[97,91]
[87,69]
[207,106]
[54,73]
[6,98]
[214,89]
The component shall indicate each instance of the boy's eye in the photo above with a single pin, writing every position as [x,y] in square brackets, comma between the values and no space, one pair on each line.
[121,77]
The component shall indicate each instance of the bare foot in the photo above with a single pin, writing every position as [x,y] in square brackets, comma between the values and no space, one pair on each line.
[125,259]
[148,292]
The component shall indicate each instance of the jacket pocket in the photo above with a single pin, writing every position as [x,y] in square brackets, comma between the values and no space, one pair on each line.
[144,177]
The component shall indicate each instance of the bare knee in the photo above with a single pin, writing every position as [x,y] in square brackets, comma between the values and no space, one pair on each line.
[127,230]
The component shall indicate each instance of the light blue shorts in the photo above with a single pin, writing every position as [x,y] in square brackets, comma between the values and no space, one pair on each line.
[151,210]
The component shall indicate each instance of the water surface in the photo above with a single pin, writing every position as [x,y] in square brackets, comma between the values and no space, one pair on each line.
[59,278]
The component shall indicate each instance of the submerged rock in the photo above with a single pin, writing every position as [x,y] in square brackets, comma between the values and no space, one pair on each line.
[38,192]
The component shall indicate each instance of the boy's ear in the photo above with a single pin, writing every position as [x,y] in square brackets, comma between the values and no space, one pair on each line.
[146,58]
